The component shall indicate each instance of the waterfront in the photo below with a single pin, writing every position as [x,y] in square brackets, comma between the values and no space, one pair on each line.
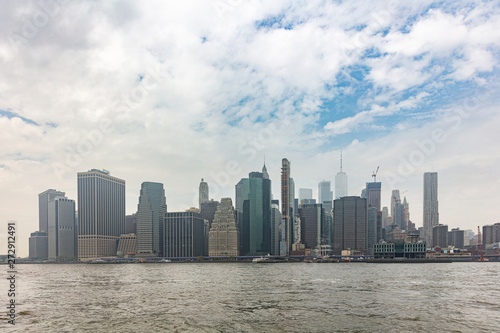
[239,297]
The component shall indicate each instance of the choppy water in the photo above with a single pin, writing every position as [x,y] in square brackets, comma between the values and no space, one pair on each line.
[237,297]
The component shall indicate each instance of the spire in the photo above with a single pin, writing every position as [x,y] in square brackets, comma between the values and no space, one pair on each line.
[264,170]
[341,161]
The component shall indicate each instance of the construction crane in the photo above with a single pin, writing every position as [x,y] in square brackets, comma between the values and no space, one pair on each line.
[480,248]
[374,175]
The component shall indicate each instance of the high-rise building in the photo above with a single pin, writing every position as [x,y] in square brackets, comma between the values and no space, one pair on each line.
[350,224]
[62,229]
[275,227]
[341,182]
[488,235]
[223,236]
[265,175]
[312,220]
[208,209]
[38,245]
[456,238]
[254,201]
[305,193]
[286,209]
[127,245]
[324,192]
[294,203]
[385,213]
[152,205]
[373,191]
[431,215]
[43,207]
[440,236]
[184,234]
[406,215]
[398,217]
[395,198]
[101,214]
[203,192]
[131,224]
[372,229]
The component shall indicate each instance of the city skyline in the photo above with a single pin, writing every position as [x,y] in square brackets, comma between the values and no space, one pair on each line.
[173,92]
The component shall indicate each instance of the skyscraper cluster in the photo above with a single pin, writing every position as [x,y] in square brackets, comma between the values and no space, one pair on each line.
[255,225]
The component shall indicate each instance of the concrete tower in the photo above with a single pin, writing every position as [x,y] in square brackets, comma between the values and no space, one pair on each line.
[431,214]
[203,194]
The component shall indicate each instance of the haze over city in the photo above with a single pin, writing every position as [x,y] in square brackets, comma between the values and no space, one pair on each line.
[176,92]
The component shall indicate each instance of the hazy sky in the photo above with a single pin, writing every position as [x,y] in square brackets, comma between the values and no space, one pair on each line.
[178,91]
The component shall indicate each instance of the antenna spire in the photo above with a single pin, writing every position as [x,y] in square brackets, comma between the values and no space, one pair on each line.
[341,161]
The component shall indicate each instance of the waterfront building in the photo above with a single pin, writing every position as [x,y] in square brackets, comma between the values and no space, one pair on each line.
[312,220]
[440,236]
[223,236]
[62,229]
[131,224]
[400,249]
[254,202]
[350,224]
[275,227]
[341,182]
[373,191]
[305,194]
[203,192]
[101,214]
[456,238]
[152,205]
[127,245]
[286,209]
[38,245]
[43,207]
[184,234]
[431,214]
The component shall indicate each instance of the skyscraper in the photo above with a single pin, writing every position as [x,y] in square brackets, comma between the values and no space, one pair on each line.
[324,192]
[286,209]
[43,207]
[254,201]
[275,227]
[152,205]
[223,236]
[385,213]
[312,220]
[431,215]
[305,194]
[373,191]
[340,182]
[394,199]
[184,234]
[350,224]
[406,215]
[372,235]
[203,193]
[62,228]
[101,213]
[440,236]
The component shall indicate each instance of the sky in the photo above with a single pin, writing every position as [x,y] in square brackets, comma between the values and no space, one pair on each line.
[174,92]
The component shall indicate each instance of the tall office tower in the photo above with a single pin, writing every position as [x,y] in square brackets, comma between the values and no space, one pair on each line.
[469,237]
[431,214]
[131,224]
[38,245]
[203,192]
[208,209]
[406,215]
[496,232]
[275,227]
[305,194]
[43,207]
[488,235]
[397,219]
[394,199]
[254,194]
[101,213]
[350,224]
[324,192]
[265,175]
[223,236]
[440,236]
[385,213]
[293,203]
[152,205]
[312,220]
[456,238]
[286,209]
[372,237]
[373,191]
[340,182]
[183,234]
[62,228]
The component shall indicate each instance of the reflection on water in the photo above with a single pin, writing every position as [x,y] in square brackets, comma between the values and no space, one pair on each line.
[289,297]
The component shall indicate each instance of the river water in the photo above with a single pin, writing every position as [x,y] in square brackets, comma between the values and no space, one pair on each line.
[248,297]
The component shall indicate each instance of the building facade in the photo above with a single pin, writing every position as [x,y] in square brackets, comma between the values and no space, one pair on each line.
[373,191]
[286,209]
[101,214]
[224,235]
[184,234]
[203,193]
[62,229]
[38,245]
[440,236]
[312,223]
[43,207]
[431,214]
[152,205]
[350,224]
